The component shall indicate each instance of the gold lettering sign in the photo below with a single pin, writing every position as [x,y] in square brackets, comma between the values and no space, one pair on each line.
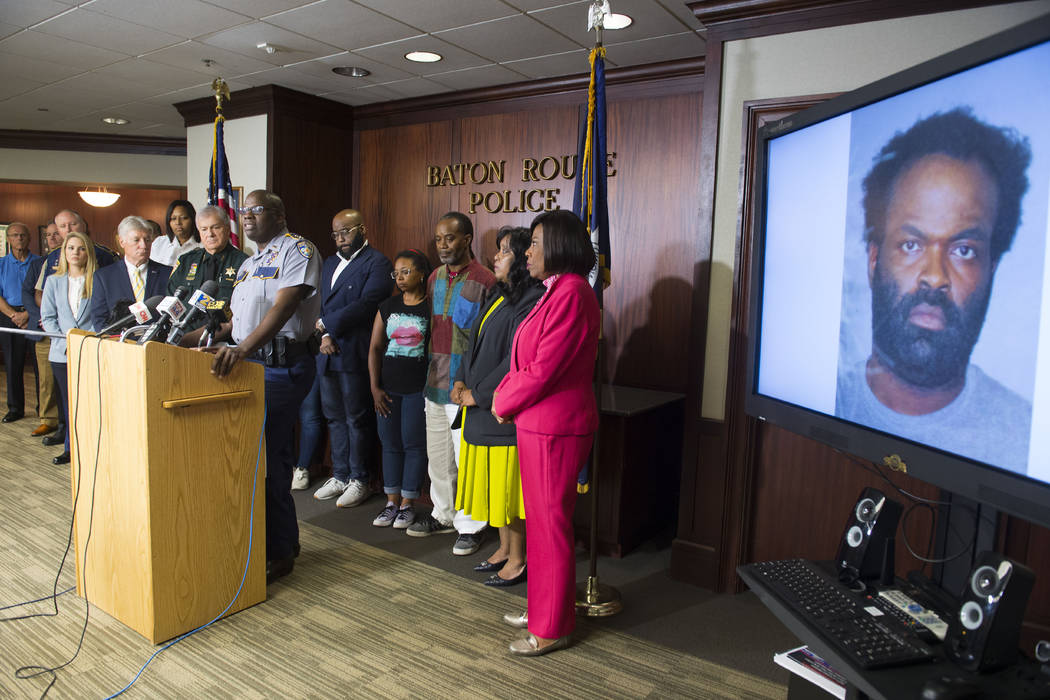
[538,170]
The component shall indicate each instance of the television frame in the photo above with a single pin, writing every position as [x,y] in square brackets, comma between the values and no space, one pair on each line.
[1010,492]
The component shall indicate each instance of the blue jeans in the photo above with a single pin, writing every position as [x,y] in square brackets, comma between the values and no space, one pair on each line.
[347,402]
[404,436]
[286,387]
[311,425]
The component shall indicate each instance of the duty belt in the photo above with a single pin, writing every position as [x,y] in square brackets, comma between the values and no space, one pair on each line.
[282,352]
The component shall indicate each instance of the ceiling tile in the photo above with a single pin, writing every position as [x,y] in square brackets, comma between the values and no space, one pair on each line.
[26,13]
[11,86]
[35,69]
[679,9]
[145,112]
[105,32]
[191,55]
[650,19]
[527,5]
[414,87]
[568,63]
[257,9]
[394,54]
[289,78]
[291,47]
[192,93]
[33,44]
[362,96]
[436,15]
[147,72]
[484,76]
[664,48]
[343,23]
[188,19]
[8,29]
[71,100]
[322,68]
[507,39]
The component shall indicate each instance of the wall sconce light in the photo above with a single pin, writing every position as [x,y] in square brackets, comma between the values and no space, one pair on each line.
[98,197]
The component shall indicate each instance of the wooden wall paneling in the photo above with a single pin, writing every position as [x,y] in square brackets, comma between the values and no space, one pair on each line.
[37,203]
[512,138]
[653,210]
[312,172]
[1028,543]
[397,206]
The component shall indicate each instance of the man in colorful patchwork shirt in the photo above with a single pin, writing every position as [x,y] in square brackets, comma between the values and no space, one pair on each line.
[457,289]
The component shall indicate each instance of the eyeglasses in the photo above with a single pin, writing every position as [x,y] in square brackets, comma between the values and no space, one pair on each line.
[403,272]
[257,209]
[347,231]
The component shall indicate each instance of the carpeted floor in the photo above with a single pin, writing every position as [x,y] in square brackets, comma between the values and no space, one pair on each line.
[353,620]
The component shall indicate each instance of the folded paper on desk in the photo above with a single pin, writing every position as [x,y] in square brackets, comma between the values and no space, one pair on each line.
[805,663]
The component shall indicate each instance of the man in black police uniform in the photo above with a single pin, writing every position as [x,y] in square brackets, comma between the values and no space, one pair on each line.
[275,306]
[215,260]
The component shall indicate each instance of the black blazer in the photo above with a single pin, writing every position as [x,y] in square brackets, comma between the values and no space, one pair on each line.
[486,363]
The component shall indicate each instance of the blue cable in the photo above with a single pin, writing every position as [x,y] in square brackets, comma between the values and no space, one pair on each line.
[244,574]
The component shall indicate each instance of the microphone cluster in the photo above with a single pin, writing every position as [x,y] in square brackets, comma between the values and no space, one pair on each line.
[167,319]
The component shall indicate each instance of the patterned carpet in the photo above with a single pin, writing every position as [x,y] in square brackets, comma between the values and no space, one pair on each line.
[350,621]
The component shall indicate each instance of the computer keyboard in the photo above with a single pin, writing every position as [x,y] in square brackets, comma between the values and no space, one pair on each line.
[861,632]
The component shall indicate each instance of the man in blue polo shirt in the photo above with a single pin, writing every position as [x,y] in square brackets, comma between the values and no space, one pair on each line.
[13,269]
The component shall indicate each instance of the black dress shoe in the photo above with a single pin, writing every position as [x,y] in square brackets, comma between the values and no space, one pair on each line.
[54,439]
[276,568]
[12,416]
[486,566]
[61,459]
[495,580]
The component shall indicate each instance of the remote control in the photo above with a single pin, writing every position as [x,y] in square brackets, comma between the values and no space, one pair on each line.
[927,618]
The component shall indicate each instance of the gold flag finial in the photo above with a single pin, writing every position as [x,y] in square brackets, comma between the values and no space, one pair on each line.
[221,90]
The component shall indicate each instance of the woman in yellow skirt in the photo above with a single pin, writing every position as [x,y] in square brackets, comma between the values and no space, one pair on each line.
[489,484]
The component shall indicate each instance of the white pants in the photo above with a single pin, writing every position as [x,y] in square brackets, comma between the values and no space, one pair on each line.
[443,456]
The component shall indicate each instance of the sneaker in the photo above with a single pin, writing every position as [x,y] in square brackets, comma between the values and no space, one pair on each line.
[356,493]
[331,488]
[405,517]
[427,525]
[386,516]
[300,479]
[467,543]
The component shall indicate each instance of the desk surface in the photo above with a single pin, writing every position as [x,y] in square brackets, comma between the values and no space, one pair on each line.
[629,400]
[1020,681]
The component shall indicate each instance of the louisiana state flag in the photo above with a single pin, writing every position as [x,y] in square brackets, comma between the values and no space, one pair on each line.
[220,190]
[591,201]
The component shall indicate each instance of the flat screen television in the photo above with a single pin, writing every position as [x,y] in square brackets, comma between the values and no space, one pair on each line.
[900,298]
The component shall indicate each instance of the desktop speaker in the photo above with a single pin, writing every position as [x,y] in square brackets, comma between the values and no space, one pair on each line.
[866,548]
[984,636]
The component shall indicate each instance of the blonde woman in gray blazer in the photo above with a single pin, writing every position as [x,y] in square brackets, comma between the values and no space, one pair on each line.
[66,304]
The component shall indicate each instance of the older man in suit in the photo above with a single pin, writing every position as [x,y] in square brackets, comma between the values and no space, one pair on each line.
[137,279]
[353,282]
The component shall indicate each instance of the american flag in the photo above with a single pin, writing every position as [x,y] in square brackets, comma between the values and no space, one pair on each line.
[220,190]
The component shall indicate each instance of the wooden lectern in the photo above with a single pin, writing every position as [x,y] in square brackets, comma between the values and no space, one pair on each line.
[163,460]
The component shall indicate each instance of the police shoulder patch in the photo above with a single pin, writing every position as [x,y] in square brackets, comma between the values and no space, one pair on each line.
[305,249]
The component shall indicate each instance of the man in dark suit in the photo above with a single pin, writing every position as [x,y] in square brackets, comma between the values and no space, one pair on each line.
[137,279]
[353,282]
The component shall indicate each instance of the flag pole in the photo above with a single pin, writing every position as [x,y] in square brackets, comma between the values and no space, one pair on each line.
[593,598]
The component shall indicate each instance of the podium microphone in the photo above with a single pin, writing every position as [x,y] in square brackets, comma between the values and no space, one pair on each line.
[198,306]
[139,313]
[169,309]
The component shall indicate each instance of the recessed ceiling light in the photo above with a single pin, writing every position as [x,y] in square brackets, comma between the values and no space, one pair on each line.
[117,121]
[617,21]
[423,56]
[352,71]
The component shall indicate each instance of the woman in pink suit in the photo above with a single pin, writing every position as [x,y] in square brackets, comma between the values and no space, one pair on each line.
[549,396]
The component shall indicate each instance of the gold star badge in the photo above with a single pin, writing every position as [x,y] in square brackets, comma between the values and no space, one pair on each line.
[230,272]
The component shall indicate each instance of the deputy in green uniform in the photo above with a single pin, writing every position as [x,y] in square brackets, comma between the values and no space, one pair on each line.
[215,260]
